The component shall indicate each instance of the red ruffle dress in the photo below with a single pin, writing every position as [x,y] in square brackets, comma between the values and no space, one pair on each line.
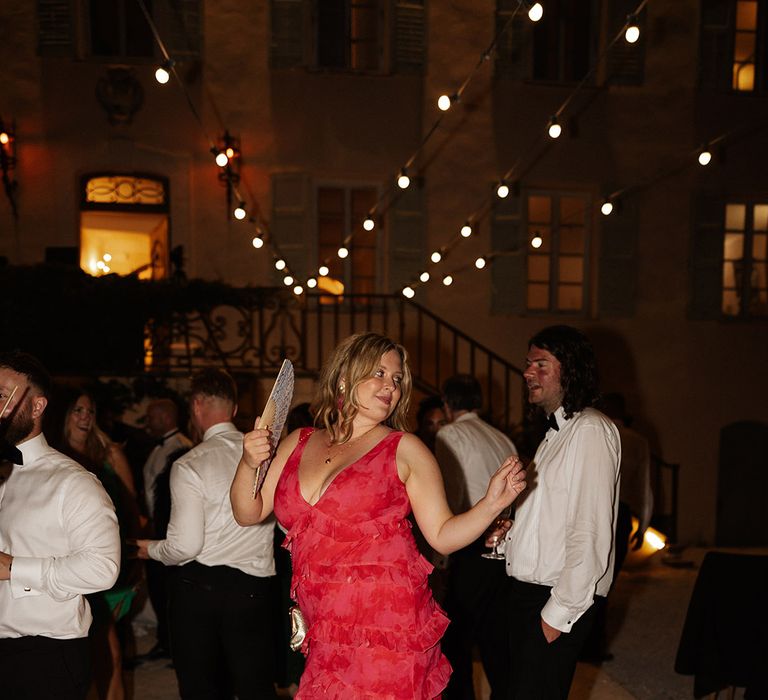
[373,627]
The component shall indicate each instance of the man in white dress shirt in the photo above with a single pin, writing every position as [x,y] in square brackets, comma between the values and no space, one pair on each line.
[59,540]
[163,425]
[469,451]
[220,599]
[560,549]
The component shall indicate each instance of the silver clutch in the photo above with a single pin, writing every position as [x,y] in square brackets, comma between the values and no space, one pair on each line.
[298,628]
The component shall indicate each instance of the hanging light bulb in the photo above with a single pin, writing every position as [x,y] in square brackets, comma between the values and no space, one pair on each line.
[240,212]
[424,276]
[632,31]
[221,159]
[368,223]
[536,12]
[553,128]
[480,263]
[287,280]
[408,292]
[403,180]
[298,290]
[107,257]
[257,242]
[280,264]
[4,138]
[606,208]
[312,282]
[323,270]
[101,265]
[342,252]
[445,102]
[502,190]
[447,280]
[436,257]
[466,230]
[163,72]
[229,152]
[537,241]
[705,156]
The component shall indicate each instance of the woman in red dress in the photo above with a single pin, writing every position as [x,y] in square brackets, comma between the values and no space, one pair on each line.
[344,492]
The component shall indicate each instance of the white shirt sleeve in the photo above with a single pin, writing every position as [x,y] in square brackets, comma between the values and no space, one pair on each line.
[185,536]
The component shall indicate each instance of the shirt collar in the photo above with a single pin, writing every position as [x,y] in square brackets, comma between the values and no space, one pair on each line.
[218,429]
[559,415]
[469,415]
[33,448]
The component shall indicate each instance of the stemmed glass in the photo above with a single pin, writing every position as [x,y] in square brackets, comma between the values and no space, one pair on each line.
[494,553]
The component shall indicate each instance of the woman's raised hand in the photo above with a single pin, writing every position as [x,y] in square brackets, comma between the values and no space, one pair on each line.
[256,446]
[506,484]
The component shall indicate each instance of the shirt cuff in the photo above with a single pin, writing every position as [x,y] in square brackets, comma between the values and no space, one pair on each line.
[555,615]
[26,575]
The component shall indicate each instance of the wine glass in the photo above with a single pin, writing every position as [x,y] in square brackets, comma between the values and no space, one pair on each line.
[497,523]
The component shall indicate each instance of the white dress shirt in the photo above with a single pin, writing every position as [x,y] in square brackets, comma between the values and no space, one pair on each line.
[565,522]
[173,441]
[59,525]
[202,527]
[469,451]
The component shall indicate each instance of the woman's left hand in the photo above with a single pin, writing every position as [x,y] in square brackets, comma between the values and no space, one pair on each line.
[506,484]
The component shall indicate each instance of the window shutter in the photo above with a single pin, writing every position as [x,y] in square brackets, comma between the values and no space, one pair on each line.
[715,63]
[626,62]
[287,23]
[180,24]
[409,36]
[514,47]
[290,225]
[54,19]
[406,235]
[618,261]
[706,257]
[508,281]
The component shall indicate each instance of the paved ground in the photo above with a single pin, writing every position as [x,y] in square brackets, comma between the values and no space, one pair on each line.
[647,611]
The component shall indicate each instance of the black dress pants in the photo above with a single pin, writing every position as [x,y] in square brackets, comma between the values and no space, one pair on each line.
[42,668]
[221,633]
[540,670]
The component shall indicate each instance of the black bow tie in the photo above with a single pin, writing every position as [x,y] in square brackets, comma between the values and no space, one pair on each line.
[161,441]
[10,453]
[552,422]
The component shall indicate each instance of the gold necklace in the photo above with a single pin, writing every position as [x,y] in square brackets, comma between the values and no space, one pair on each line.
[344,445]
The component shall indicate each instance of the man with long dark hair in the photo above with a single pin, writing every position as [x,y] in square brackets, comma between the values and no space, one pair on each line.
[560,549]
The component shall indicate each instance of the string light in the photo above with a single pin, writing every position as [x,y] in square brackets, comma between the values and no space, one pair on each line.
[705,156]
[553,128]
[287,280]
[312,282]
[480,263]
[466,230]
[257,242]
[240,212]
[163,72]
[408,292]
[424,276]
[448,280]
[445,102]
[342,252]
[298,290]
[606,208]
[403,180]
[537,241]
[368,223]
[632,32]
[436,256]
[502,190]
[536,12]
[323,270]
[107,257]
[280,264]
[4,138]
[229,152]
[221,159]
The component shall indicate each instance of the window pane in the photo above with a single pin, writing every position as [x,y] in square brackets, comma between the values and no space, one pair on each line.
[538,268]
[744,48]
[730,303]
[105,28]
[746,14]
[572,210]
[364,39]
[760,216]
[569,297]
[733,246]
[571,270]
[138,36]
[729,275]
[538,297]
[539,210]
[331,34]
[572,240]
[759,246]
[743,76]
[734,217]
[541,232]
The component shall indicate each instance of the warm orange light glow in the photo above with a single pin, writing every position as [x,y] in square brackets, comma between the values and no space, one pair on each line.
[4,138]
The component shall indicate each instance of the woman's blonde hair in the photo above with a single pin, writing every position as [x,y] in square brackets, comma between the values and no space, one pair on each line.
[355,360]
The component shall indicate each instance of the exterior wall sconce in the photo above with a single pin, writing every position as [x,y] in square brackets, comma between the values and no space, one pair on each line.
[8,162]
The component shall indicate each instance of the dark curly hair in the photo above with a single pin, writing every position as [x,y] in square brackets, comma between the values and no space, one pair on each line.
[578,367]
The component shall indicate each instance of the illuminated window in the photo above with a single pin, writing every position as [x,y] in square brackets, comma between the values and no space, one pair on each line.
[745,45]
[124,226]
[745,264]
[340,213]
[349,35]
[556,252]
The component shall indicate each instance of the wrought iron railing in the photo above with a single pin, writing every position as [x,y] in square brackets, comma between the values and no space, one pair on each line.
[253,332]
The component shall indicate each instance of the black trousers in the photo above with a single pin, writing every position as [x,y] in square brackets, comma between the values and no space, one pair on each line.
[539,670]
[474,586]
[157,587]
[41,668]
[220,622]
